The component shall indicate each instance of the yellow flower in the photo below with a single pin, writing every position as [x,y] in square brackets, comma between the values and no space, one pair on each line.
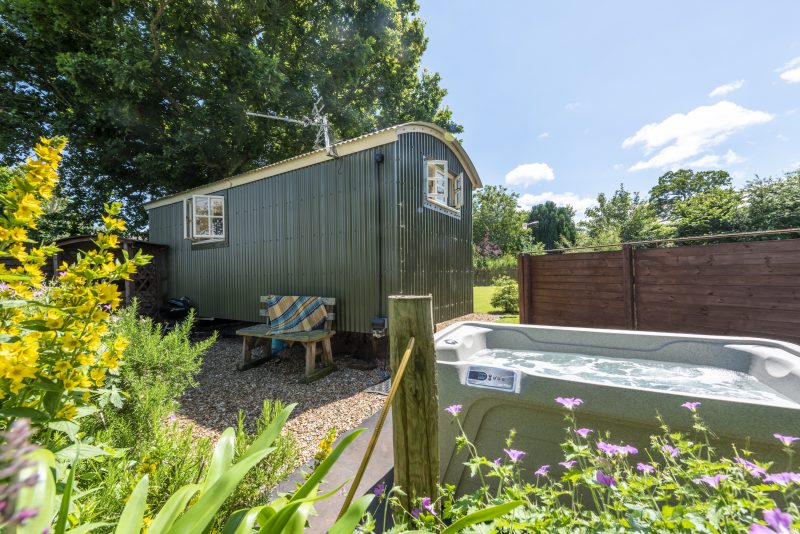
[120,344]
[19,372]
[54,321]
[113,224]
[98,375]
[69,342]
[68,412]
[108,293]
[62,366]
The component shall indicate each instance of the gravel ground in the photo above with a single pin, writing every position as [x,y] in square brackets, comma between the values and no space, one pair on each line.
[487,317]
[335,401]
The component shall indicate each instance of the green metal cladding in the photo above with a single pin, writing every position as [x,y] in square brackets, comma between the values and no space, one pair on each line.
[322,230]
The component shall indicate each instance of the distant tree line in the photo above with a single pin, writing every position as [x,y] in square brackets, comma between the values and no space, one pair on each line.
[683,203]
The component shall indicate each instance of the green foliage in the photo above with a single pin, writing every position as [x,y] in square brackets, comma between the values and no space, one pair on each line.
[496,219]
[153,94]
[554,225]
[625,216]
[679,186]
[486,268]
[506,294]
[773,203]
[708,212]
[679,483]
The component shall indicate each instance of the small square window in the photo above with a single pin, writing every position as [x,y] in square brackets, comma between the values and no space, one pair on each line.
[443,187]
[204,218]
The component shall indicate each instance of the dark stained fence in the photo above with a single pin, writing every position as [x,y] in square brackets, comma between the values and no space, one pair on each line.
[744,289]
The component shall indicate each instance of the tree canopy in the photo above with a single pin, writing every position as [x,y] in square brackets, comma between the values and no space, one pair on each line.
[497,221]
[553,226]
[152,94]
[678,186]
[625,216]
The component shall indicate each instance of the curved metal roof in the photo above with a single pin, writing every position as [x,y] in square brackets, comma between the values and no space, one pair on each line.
[357,144]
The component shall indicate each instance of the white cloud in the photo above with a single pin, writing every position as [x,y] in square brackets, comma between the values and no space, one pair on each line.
[723,90]
[528,200]
[618,166]
[791,71]
[530,173]
[543,135]
[682,137]
[572,106]
[715,161]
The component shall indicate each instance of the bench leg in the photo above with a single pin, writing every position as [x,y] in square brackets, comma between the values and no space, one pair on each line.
[248,344]
[311,357]
[327,352]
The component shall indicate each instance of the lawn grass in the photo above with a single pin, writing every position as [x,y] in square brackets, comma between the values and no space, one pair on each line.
[482,303]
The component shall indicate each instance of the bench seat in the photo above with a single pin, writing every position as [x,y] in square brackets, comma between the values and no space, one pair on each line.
[260,335]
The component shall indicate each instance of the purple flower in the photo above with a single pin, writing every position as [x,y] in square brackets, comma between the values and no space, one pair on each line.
[783,479]
[645,468]
[569,402]
[342,491]
[779,523]
[415,513]
[542,471]
[379,488]
[496,462]
[750,467]
[786,440]
[453,410]
[62,273]
[711,481]
[426,503]
[583,432]
[514,454]
[691,406]
[172,418]
[616,450]
[606,480]
[673,451]
[568,464]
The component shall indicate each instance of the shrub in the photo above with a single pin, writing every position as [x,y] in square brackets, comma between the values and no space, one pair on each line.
[678,484]
[487,268]
[506,294]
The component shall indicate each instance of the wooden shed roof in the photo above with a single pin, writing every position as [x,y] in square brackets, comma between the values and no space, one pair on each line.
[350,146]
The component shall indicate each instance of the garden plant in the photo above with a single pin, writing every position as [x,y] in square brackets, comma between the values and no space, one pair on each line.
[678,482]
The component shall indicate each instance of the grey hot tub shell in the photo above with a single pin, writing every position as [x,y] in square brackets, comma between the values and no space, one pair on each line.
[627,412]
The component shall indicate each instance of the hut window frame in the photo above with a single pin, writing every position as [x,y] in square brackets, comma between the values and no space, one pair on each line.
[442,187]
[204,219]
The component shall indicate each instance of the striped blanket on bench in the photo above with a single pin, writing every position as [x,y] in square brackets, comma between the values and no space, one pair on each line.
[295,314]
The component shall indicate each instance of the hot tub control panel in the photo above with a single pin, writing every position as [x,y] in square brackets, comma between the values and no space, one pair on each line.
[480,376]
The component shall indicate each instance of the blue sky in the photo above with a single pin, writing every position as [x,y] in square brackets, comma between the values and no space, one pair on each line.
[563,100]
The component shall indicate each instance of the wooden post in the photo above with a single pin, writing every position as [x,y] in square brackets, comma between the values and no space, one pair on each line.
[526,288]
[415,411]
[628,289]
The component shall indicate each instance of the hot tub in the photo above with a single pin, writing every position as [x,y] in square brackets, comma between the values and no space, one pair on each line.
[507,376]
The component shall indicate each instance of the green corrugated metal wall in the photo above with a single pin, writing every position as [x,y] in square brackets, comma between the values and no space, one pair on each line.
[435,249]
[314,231]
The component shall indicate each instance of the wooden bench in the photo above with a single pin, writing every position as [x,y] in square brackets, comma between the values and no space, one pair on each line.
[261,335]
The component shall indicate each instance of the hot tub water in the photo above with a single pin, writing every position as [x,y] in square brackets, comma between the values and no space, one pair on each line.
[674,377]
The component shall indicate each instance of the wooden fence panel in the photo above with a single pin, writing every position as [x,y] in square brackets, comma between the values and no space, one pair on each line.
[573,290]
[748,288]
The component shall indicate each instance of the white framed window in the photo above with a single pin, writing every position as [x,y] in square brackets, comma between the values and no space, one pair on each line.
[204,218]
[444,188]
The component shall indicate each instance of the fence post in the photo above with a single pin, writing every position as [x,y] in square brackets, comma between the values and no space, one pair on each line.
[628,289]
[415,410]
[525,285]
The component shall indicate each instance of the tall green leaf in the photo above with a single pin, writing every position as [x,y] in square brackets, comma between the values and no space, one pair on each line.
[42,495]
[130,521]
[352,517]
[197,518]
[222,458]
[173,508]
[481,516]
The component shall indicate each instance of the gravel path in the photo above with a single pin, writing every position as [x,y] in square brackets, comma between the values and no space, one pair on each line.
[335,401]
